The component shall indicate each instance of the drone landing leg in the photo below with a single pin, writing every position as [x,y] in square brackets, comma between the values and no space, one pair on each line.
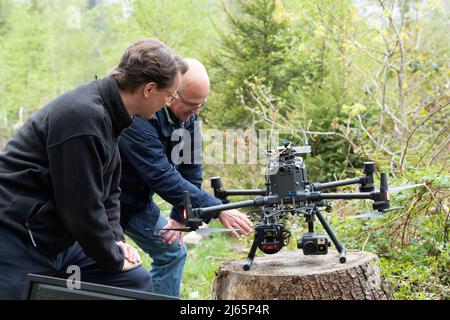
[337,244]
[251,255]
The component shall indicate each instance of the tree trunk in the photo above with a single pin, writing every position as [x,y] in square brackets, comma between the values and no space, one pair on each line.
[292,275]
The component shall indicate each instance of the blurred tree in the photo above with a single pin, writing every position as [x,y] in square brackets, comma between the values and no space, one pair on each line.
[275,70]
[186,25]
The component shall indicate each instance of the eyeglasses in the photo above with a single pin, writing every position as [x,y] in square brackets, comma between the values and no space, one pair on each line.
[192,106]
[172,96]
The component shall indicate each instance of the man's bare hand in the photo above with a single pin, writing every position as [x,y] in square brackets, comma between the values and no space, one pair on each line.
[170,236]
[127,265]
[131,256]
[235,219]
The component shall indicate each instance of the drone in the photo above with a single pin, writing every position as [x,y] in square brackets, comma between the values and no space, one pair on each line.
[287,191]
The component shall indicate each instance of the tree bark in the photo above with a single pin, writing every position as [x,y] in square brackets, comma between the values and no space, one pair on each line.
[291,275]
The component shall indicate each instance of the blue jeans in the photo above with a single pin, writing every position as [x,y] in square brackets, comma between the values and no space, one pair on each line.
[168,260]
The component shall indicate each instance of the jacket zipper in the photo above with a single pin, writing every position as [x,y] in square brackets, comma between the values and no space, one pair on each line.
[27,225]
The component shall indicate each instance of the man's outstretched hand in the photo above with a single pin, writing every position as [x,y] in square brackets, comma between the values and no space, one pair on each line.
[170,236]
[234,219]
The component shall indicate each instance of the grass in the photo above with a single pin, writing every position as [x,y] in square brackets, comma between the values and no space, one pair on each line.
[204,259]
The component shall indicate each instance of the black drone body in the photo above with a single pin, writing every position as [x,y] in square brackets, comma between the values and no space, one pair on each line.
[288,191]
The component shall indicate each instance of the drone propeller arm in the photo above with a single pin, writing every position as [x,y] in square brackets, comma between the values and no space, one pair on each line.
[318,196]
[250,192]
[222,194]
[365,181]
[328,185]
[301,196]
[344,196]
[260,201]
[380,198]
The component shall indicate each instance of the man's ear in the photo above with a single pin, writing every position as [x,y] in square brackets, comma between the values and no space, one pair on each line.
[148,88]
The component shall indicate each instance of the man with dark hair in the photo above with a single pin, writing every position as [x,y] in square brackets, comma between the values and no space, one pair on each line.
[151,165]
[59,176]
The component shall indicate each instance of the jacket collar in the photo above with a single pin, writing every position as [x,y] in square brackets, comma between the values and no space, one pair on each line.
[171,119]
[113,103]
[169,123]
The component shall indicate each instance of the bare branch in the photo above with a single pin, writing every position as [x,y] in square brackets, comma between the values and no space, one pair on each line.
[414,130]
[438,135]
[372,138]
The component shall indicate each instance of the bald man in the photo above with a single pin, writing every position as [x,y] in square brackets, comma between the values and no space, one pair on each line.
[152,163]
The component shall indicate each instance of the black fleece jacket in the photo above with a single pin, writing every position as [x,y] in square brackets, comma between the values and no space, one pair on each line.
[59,175]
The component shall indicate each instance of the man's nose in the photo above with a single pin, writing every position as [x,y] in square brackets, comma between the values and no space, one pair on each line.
[196,111]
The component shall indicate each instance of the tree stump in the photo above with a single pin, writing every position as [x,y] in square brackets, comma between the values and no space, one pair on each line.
[291,275]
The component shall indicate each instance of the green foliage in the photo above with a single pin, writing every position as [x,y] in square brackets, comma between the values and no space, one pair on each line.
[261,43]
[49,47]
[204,259]
[275,69]
[38,52]
[412,242]
[186,25]
[294,69]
